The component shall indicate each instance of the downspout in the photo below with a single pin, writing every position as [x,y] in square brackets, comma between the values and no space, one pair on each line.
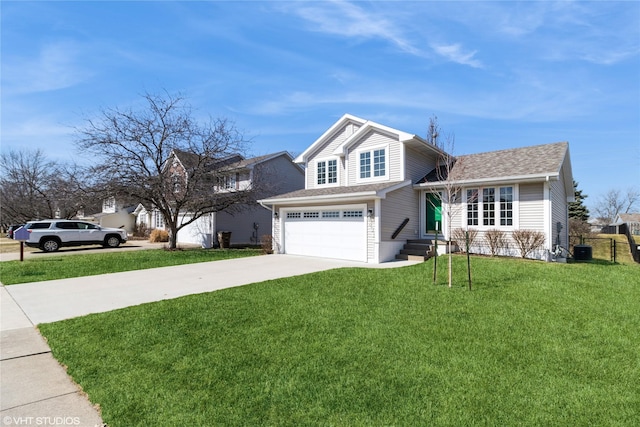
[549,219]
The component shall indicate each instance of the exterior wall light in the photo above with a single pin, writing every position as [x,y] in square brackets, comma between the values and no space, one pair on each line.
[370,213]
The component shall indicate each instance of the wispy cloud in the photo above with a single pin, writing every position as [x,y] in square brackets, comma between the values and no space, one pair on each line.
[455,53]
[56,66]
[350,20]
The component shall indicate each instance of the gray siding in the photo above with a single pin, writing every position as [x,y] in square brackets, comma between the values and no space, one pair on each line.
[326,151]
[373,139]
[278,176]
[398,205]
[417,164]
[559,213]
[531,204]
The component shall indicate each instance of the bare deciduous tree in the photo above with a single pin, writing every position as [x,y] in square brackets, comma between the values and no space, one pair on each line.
[446,184]
[615,201]
[161,156]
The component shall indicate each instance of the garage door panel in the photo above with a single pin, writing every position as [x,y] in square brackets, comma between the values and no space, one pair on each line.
[343,237]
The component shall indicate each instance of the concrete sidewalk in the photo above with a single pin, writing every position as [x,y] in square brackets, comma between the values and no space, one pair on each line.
[35,388]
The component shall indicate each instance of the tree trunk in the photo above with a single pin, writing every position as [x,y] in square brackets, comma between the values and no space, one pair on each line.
[450,265]
[173,237]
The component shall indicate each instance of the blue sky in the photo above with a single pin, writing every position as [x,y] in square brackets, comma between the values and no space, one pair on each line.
[496,74]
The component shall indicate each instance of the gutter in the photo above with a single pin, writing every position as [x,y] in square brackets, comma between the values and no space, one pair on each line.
[507,180]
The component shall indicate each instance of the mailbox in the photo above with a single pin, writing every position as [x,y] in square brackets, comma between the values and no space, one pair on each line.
[21,234]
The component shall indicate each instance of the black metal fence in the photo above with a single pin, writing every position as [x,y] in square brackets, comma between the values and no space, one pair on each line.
[602,247]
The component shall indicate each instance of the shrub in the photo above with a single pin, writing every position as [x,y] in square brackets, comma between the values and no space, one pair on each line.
[266,243]
[528,241]
[141,230]
[460,238]
[157,235]
[496,240]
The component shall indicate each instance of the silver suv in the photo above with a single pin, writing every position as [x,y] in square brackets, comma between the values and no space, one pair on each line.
[51,234]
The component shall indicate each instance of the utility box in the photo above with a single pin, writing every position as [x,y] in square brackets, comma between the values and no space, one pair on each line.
[582,253]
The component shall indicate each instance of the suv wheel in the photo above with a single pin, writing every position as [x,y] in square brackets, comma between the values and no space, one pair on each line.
[112,242]
[50,245]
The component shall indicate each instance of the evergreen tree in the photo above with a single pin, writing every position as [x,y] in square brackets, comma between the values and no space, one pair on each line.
[577,209]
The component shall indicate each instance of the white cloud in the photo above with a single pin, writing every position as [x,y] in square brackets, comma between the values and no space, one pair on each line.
[56,66]
[454,53]
[349,20]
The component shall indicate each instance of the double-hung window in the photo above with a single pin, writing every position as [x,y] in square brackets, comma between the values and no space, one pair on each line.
[372,164]
[472,206]
[327,172]
[490,206]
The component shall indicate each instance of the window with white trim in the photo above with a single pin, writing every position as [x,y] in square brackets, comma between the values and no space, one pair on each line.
[327,172]
[311,215]
[372,163]
[472,206]
[490,206]
[352,214]
[293,215]
[506,206]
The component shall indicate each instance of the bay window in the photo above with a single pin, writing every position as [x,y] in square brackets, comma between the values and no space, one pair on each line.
[483,203]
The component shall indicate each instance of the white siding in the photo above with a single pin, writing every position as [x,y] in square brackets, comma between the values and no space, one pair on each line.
[531,212]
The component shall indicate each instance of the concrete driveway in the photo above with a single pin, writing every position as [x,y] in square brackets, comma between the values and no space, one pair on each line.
[54,300]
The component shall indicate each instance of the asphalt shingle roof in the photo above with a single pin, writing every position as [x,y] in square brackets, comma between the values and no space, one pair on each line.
[525,161]
[334,191]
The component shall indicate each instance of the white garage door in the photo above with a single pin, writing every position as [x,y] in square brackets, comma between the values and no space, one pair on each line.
[327,232]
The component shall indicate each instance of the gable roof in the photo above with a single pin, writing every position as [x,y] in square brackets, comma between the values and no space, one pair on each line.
[350,193]
[231,162]
[365,126]
[250,163]
[328,134]
[517,164]
[629,217]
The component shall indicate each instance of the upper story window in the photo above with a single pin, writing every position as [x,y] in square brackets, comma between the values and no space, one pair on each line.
[490,206]
[372,164]
[327,172]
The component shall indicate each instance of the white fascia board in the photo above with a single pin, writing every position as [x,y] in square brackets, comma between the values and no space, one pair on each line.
[302,158]
[401,136]
[361,196]
[516,179]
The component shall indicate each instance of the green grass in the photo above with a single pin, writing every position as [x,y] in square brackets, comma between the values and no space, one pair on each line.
[67,266]
[533,344]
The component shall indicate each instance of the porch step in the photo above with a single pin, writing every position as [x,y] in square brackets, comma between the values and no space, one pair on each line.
[416,250]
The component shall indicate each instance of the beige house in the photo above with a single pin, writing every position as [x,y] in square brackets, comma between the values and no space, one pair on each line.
[371,190]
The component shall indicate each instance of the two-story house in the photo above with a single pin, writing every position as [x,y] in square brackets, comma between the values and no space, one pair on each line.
[247,221]
[370,188]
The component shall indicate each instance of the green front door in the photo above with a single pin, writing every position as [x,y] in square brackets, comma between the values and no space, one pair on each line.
[433,213]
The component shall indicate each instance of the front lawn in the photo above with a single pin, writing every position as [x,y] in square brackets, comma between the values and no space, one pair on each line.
[533,344]
[67,266]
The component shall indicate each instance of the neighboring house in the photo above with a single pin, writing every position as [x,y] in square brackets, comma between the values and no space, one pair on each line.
[370,188]
[115,214]
[249,222]
[632,220]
